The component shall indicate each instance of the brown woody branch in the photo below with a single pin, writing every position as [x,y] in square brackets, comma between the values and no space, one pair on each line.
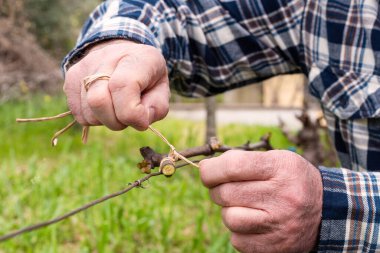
[151,160]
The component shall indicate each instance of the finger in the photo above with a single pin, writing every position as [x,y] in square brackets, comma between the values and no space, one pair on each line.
[235,166]
[131,78]
[157,100]
[248,221]
[99,100]
[72,89]
[250,194]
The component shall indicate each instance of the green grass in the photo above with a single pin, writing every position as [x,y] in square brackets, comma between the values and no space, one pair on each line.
[38,182]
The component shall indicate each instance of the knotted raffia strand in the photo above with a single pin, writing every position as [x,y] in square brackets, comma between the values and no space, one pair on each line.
[87,82]
[85,132]
[54,139]
[173,150]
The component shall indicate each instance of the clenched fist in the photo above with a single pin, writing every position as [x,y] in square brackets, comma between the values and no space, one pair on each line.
[272,201]
[136,95]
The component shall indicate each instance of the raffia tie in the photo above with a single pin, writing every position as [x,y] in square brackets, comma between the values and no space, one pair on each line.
[87,82]
[54,139]
[173,152]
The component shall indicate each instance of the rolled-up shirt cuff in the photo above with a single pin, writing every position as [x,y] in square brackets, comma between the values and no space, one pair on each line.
[335,211]
[113,28]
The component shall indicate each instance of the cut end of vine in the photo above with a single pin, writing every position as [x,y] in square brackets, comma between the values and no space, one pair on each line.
[168,170]
[54,142]
[167,167]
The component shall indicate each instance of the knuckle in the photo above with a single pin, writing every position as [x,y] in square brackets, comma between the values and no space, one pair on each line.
[281,155]
[224,195]
[236,162]
[116,127]
[203,174]
[287,162]
[233,222]
[89,117]
[300,200]
[297,199]
[127,118]
[287,154]
[156,61]
[96,99]
[245,224]
[134,119]
[232,157]
[162,110]
[204,168]
[273,160]
[261,224]
[115,85]
[274,155]
[258,198]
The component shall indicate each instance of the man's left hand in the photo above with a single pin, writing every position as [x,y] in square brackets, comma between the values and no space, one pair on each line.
[271,201]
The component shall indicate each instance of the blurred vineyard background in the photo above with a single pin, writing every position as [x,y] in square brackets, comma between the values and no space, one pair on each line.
[34,37]
[38,182]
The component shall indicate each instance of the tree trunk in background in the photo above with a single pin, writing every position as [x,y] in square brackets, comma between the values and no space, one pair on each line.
[210,104]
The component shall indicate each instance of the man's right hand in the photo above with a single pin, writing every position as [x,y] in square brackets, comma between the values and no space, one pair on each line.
[137,94]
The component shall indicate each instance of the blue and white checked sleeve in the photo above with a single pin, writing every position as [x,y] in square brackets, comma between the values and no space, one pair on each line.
[351,198]
[350,216]
[214,46]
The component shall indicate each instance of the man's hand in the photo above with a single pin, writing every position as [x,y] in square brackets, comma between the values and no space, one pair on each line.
[136,95]
[272,201]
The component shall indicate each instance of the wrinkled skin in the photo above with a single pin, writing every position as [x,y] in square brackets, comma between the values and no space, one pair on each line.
[136,95]
[271,201]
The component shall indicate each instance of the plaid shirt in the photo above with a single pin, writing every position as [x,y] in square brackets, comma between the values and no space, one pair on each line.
[213,46]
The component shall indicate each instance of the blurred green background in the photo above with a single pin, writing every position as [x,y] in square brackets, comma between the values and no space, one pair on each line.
[38,182]
[55,24]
